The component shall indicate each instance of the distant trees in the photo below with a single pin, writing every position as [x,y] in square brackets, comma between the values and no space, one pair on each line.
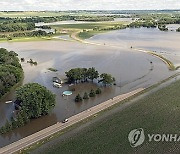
[13,27]
[146,23]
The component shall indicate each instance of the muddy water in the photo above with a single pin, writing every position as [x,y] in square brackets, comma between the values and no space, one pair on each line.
[165,43]
[131,70]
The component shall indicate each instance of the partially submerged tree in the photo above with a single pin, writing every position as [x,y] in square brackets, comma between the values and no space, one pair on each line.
[98,91]
[85,96]
[92,93]
[36,100]
[78,98]
[107,79]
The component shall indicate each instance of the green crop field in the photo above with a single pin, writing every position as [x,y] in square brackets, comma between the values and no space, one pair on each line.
[158,112]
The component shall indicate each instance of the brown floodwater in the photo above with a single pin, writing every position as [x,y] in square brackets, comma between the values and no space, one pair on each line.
[131,70]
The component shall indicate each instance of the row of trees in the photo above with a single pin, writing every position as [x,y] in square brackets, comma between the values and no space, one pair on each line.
[10,70]
[25,34]
[86,96]
[138,24]
[13,27]
[84,74]
[34,101]
[7,20]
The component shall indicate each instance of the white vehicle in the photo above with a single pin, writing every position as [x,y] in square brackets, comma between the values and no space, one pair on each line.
[65,120]
[57,85]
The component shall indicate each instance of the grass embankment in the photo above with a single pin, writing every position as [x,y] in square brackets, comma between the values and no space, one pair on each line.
[166,61]
[156,113]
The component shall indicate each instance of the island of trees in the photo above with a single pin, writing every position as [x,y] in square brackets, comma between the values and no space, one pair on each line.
[77,75]
[11,71]
[32,101]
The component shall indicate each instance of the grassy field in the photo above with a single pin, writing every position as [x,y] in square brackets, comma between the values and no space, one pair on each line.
[91,25]
[155,113]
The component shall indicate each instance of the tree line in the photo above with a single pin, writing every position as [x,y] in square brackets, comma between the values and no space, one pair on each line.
[37,33]
[11,71]
[13,27]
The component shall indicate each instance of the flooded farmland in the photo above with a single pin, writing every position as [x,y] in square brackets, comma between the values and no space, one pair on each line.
[131,69]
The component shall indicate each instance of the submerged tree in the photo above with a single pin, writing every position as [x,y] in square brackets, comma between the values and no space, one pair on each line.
[85,96]
[107,79]
[92,73]
[36,100]
[92,93]
[78,98]
[98,91]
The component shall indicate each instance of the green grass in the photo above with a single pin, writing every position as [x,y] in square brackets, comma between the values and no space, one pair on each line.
[156,113]
[86,35]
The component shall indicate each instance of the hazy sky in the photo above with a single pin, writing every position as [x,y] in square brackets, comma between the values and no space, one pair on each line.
[88,4]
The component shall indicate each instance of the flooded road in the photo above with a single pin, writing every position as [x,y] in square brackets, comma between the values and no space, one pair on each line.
[131,69]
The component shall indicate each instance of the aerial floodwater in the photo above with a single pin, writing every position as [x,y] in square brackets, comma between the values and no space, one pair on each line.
[132,69]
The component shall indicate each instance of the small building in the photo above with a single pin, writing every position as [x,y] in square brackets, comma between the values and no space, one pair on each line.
[57,80]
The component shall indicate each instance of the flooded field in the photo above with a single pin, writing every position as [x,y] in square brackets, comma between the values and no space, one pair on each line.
[131,69]
[165,43]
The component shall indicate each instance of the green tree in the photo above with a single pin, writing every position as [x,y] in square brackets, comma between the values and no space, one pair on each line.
[85,96]
[36,100]
[98,91]
[107,79]
[78,98]
[92,73]
[92,93]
